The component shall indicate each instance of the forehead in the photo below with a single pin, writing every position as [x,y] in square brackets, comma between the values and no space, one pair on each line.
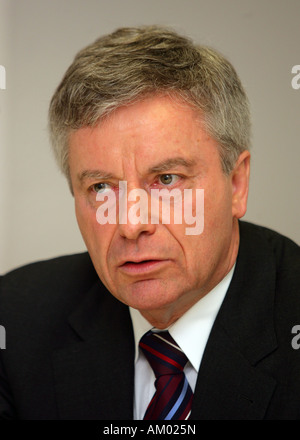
[145,133]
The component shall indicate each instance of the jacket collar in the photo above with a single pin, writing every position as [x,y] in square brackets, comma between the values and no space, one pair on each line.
[94,376]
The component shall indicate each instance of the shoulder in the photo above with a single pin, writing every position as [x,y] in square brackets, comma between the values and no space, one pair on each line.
[56,271]
[276,254]
[40,286]
[265,240]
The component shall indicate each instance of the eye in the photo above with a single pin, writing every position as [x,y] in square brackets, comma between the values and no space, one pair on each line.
[168,179]
[101,187]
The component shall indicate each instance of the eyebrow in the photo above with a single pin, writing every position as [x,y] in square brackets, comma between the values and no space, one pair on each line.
[171,163]
[94,174]
[158,168]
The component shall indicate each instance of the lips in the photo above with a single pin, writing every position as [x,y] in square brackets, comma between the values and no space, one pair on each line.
[142,266]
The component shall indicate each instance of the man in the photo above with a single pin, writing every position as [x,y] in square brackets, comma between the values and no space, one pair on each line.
[140,114]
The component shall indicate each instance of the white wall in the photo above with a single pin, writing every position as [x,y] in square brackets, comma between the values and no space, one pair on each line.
[38,39]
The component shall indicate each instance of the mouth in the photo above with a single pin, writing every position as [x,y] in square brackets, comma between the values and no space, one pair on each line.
[143,266]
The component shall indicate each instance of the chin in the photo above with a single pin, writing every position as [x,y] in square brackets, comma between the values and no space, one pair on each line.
[149,295]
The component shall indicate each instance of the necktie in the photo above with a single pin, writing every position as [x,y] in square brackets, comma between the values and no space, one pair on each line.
[173,397]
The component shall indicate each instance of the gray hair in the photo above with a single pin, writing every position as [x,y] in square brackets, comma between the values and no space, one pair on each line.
[133,63]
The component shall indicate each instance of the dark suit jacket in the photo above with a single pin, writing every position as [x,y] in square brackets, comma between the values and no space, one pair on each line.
[70,352]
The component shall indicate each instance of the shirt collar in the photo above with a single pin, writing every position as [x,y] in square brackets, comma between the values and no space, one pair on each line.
[190,331]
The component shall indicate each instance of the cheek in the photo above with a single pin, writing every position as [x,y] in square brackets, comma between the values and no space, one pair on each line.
[200,249]
[96,236]
[218,207]
[84,217]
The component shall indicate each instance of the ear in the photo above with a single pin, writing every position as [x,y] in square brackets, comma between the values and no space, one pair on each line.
[240,184]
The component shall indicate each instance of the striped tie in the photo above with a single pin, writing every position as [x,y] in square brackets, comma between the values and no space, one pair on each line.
[173,397]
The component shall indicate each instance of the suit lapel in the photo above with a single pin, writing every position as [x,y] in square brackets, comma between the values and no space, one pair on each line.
[230,383]
[94,377]
[229,387]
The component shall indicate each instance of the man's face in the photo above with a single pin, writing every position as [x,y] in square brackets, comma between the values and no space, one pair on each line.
[154,144]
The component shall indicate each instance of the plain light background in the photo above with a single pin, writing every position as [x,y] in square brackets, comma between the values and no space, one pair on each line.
[38,40]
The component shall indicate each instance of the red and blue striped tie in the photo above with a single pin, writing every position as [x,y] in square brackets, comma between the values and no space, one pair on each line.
[173,397]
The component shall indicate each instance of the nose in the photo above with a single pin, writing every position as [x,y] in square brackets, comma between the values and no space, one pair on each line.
[134,215]
[132,232]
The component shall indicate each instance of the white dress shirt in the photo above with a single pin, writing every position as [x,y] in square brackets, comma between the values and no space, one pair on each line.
[191,333]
